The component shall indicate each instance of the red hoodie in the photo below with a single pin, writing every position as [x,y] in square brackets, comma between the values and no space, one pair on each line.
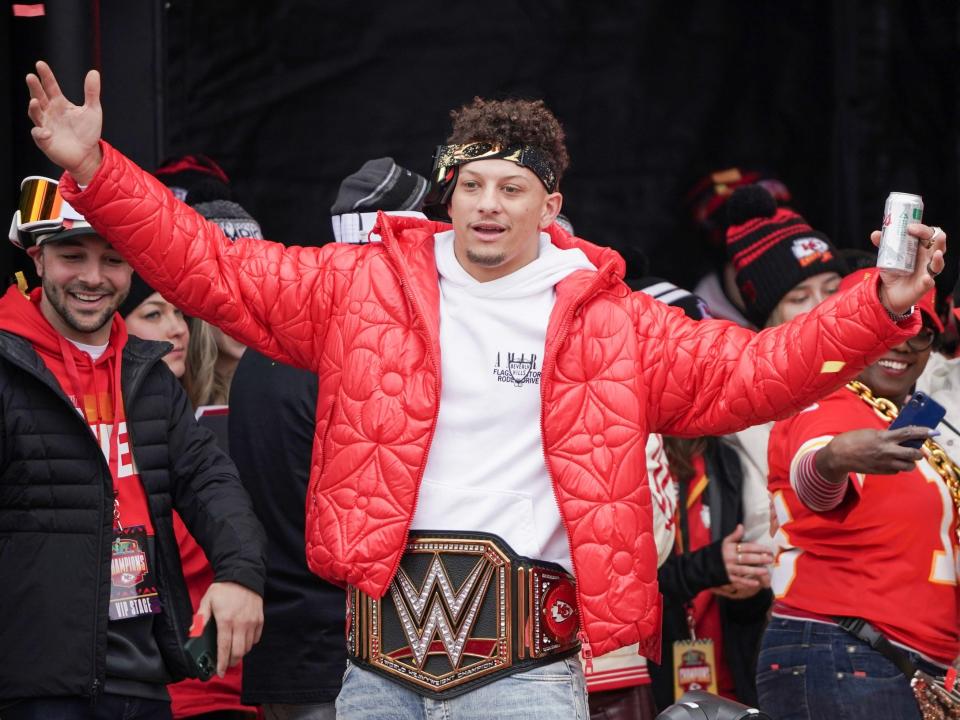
[93,387]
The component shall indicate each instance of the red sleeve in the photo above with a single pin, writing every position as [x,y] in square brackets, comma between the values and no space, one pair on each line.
[266,295]
[713,377]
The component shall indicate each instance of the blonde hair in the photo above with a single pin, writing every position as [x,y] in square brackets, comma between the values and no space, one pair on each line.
[204,384]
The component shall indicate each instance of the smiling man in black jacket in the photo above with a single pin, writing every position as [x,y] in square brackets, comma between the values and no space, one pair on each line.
[97,445]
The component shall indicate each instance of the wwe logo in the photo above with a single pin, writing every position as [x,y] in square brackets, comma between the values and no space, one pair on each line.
[445,608]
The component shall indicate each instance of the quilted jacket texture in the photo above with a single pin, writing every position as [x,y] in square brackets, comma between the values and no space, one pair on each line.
[366,319]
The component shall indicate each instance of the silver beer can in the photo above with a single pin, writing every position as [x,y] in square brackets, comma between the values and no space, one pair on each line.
[898,248]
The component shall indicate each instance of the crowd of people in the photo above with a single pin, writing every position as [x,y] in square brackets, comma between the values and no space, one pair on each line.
[461,462]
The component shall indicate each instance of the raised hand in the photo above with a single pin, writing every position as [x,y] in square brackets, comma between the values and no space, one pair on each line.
[67,134]
[899,292]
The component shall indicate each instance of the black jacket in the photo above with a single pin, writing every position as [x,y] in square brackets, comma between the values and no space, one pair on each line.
[682,577]
[302,654]
[56,519]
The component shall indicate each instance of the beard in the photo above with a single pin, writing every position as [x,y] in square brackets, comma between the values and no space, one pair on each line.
[492,259]
[57,297]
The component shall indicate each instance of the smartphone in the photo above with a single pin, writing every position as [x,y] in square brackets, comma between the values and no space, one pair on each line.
[921,410]
[201,646]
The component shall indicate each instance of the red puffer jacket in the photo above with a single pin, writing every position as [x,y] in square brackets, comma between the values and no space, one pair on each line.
[366,318]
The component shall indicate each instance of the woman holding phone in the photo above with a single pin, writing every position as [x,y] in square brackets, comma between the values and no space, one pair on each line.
[868,531]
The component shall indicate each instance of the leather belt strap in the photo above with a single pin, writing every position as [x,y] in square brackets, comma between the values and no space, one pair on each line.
[462,611]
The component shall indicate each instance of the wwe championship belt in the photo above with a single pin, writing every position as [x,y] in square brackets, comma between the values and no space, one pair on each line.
[462,611]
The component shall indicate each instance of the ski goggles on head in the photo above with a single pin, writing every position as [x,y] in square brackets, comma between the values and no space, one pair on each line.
[41,213]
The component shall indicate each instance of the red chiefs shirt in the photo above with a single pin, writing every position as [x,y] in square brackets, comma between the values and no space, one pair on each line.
[887,553]
[131,496]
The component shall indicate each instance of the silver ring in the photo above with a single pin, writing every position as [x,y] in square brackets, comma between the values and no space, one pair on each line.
[928,243]
[930,271]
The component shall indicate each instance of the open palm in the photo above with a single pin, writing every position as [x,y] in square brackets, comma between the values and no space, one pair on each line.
[67,134]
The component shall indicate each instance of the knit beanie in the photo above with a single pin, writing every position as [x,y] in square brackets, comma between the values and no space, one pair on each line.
[772,250]
[666,292]
[380,184]
[707,199]
[194,179]
[235,222]
[139,291]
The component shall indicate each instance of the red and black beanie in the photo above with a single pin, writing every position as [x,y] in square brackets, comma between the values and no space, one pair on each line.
[708,198]
[772,250]
[195,179]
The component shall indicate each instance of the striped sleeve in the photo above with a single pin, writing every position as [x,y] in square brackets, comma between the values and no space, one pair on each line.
[814,490]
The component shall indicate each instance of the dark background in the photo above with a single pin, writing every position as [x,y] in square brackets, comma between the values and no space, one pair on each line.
[844,101]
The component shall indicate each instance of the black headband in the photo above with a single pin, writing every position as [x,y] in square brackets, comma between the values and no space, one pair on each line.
[448,158]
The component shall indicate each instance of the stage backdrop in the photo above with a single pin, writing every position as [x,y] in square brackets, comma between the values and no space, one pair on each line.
[843,101]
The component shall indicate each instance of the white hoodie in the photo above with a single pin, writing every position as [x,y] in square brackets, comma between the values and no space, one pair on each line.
[486,469]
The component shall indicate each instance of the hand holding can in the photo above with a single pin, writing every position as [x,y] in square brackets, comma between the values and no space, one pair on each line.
[899,289]
[898,248]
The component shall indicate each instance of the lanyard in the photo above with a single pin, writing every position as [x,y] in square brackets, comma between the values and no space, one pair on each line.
[688,497]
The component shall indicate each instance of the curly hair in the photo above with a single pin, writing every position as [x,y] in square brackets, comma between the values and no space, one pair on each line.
[512,122]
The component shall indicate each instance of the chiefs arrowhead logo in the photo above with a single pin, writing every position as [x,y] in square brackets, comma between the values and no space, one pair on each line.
[560,611]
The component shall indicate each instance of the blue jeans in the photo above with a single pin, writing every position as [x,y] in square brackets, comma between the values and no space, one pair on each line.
[107,707]
[309,711]
[549,692]
[811,671]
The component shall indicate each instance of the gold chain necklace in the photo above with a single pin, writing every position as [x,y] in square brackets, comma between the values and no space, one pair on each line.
[935,455]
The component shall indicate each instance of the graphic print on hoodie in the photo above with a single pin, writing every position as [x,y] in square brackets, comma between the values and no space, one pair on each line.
[134,665]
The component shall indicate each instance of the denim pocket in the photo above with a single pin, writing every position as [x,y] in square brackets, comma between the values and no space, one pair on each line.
[782,692]
[554,672]
[871,683]
[865,662]
[787,656]
[549,692]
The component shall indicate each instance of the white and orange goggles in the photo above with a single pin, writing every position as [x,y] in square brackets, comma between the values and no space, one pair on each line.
[42,214]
